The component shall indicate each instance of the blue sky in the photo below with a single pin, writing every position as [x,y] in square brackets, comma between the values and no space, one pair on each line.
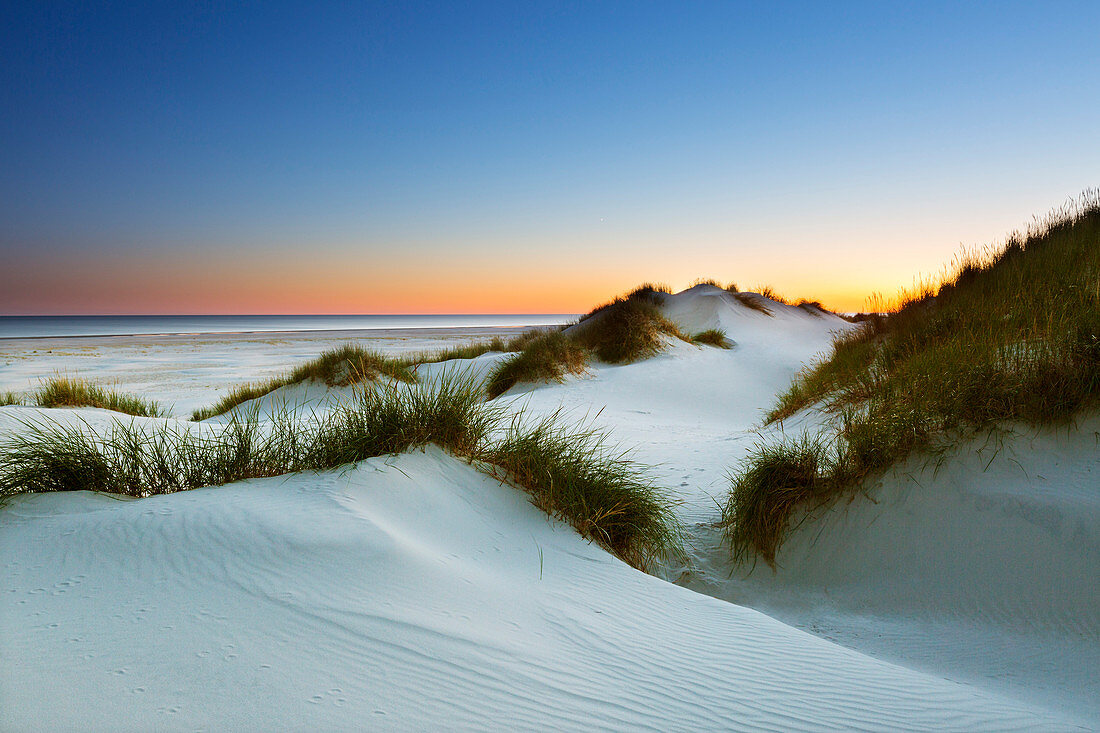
[363,157]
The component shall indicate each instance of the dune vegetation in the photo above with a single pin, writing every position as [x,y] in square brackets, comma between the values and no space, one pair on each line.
[571,472]
[712,337]
[339,367]
[751,301]
[10,398]
[351,364]
[547,358]
[575,474]
[624,330]
[1010,335]
[72,392]
[477,348]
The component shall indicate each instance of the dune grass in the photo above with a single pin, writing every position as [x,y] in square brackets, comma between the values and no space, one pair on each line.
[10,398]
[544,359]
[768,292]
[626,329]
[477,348]
[813,307]
[1012,334]
[713,337]
[621,331]
[752,301]
[774,480]
[575,474]
[571,472]
[73,392]
[342,366]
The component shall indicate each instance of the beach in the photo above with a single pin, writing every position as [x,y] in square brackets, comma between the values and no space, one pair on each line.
[189,371]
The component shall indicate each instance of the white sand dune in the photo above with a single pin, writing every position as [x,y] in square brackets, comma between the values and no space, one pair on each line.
[414,593]
[410,593]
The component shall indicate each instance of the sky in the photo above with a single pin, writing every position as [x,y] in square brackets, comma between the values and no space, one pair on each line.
[523,157]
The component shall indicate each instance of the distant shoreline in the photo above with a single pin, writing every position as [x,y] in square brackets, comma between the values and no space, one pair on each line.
[57,327]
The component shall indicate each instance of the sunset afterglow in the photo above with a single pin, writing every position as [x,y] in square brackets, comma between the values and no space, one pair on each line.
[509,159]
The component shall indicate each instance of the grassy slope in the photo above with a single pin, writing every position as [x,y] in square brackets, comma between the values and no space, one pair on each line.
[570,471]
[1012,335]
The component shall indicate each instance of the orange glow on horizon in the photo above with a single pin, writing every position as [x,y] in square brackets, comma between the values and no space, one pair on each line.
[290,283]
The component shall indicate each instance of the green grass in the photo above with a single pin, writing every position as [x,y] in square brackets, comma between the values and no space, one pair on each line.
[477,348]
[575,474]
[10,398]
[621,331]
[626,329]
[571,472]
[351,364]
[774,480]
[547,358]
[1012,334]
[713,337]
[72,392]
[342,366]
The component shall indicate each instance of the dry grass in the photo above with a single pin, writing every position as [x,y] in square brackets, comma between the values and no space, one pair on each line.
[1011,334]
[813,307]
[753,301]
[768,292]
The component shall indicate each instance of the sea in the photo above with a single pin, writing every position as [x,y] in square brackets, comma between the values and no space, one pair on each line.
[70,326]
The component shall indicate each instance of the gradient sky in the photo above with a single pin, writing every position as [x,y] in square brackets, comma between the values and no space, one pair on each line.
[523,157]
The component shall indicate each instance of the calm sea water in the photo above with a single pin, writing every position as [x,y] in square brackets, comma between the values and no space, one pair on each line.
[43,326]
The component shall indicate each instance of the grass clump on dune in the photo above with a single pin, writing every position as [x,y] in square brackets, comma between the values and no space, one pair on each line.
[449,412]
[71,392]
[813,307]
[570,472]
[349,364]
[10,398]
[339,367]
[773,481]
[626,329]
[751,301]
[713,337]
[769,293]
[1011,335]
[547,358]
[574,474]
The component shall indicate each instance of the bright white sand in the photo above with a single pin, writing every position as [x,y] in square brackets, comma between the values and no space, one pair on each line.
[412,592]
